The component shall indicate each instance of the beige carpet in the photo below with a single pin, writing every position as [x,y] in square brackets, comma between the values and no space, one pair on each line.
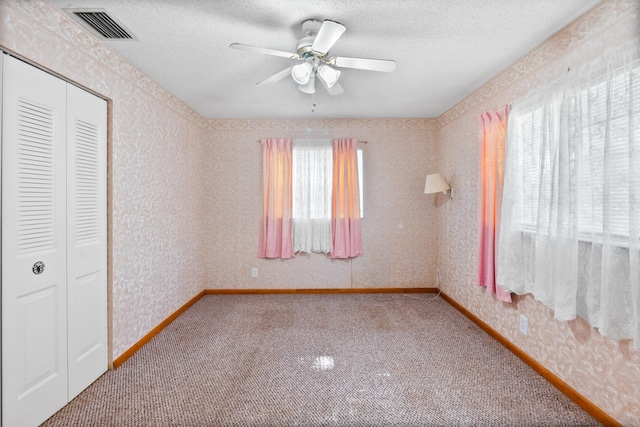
[322,360]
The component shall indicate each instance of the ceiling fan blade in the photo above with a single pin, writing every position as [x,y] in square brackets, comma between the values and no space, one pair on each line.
[327,36]
[276,77]
[334,90]
[385,65]
[264,50]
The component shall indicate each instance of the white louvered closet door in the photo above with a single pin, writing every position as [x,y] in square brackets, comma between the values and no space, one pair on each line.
[54,337]
[86,238]
[34,296]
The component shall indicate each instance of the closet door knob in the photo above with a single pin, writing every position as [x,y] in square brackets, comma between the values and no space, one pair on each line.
[38,267]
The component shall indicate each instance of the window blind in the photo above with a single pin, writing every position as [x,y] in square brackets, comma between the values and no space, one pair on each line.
[605,132]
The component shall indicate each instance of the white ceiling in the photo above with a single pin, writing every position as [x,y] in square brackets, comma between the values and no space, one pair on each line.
[444,50]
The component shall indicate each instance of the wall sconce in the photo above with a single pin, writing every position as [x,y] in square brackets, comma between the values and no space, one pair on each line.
[436,183]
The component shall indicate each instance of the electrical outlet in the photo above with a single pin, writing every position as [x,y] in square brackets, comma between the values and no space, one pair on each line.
[254,272]
[524,325]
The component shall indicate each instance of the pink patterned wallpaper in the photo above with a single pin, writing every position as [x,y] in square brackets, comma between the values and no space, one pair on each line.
[398,230]
[157,164]
[606,372]
[186,195]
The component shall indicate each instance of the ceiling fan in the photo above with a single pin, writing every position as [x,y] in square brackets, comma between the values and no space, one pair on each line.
[312,51]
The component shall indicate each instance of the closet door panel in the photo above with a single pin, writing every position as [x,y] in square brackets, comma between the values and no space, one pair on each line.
[86,238]
[34,323]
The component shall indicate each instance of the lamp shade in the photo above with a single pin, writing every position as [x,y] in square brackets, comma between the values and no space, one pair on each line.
[435,183]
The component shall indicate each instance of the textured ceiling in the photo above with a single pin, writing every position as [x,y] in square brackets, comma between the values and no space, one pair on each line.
[444,50]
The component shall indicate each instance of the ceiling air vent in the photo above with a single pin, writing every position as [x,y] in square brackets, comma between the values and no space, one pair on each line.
[102,23]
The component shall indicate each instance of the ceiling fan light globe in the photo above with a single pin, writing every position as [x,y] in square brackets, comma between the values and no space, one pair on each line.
[329,75]
[309,87]
[301,73]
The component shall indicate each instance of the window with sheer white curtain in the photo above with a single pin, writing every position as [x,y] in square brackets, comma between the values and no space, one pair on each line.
[312,181]
[570,230]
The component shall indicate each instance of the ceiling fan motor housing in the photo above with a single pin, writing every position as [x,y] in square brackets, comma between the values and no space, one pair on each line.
[304,47]
[310,29]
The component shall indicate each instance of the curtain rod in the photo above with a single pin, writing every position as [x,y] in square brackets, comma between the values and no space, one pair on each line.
[359,141]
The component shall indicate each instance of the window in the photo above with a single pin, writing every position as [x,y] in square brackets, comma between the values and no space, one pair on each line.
[529,131]
[607,114]
[570,221]
[311,188]
[312,177]
[597,134]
